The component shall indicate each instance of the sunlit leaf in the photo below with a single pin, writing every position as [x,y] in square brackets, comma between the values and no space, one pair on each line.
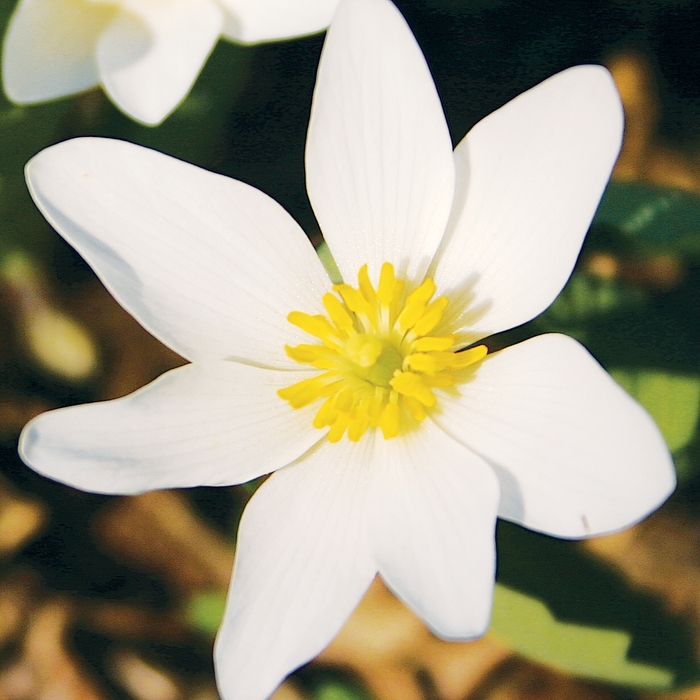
[561,607]
[205,611]
[529,627]
[673,400]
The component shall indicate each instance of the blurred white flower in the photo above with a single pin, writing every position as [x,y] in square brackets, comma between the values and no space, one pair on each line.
[145,53]
[391,452]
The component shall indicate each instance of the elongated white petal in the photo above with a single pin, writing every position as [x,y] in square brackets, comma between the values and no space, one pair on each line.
[252,21]
[302,565]
[49,48]
[209,265]
[432,529]
[211,424]
[379,166]
[575,455]
[530,176]
[150,56]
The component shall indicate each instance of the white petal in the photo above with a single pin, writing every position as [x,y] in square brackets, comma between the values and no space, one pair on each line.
[575,455]
[432,529]
[252,21]
[209,265]
[302,565]
[530,176]
[380,172]
[49,48]
[150,56]
[210,424]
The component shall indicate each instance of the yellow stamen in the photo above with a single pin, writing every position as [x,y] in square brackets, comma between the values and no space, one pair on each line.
[378,363]
[430,343]
[337,312]
[308,390]
[390,418]
[364,349]
[314,325]
[319,356]
[431,317]
[353,299]
[411,384]
[338,427]
[414,407]
[366,285]
[387,283]
[421,362]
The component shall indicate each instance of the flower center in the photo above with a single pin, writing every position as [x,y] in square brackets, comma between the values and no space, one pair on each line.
[377,357]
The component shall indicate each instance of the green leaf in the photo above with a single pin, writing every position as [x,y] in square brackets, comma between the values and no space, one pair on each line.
[205,611]
[673,400]
[587,298]
[659,217]
[531,629]
[558,606]
[334,690]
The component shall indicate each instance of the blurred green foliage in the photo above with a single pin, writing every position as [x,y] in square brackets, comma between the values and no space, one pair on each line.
[528,626]
[673,400]
[338,690]
[205,611]
[652,217]
[559,606]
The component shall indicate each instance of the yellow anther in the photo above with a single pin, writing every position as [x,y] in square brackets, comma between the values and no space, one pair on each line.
[389,295]
[410,314]
[338,314]
[431,316]
[304,392]
[303,353]
[359,422]
[416,304]
[438,379]
[431,343]
[314,325]
[423,293]
[344,400]
[364,349]
[387,284]
[390,419]
[422,362]
[353,299]
[338,427]
[376,402]
[414,407]
[396,299]
[326,414]
[460,360]
[366,285]
[410,384]
[319,356]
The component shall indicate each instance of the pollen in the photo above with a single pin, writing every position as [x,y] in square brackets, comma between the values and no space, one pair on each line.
[378,362]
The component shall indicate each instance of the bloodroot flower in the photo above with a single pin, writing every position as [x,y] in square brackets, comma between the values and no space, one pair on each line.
[393,438]
[145,54]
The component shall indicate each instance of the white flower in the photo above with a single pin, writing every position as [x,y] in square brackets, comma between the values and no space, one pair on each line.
[537,433]
[145,53]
